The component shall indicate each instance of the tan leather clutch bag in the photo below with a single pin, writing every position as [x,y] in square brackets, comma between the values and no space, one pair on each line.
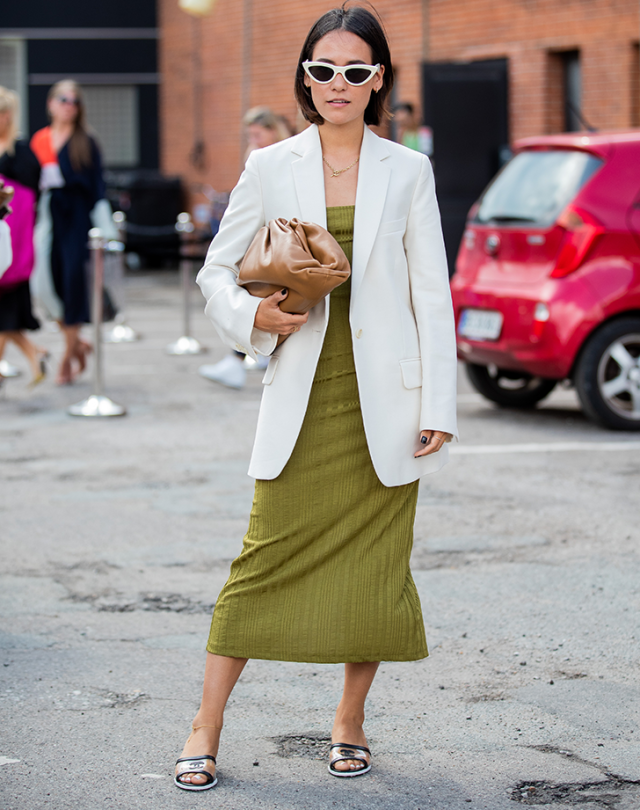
[301,256]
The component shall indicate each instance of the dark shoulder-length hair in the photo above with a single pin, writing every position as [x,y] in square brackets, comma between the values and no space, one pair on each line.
[80,142]
[361,22]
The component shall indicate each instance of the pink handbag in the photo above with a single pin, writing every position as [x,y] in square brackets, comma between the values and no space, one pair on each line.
[21,221]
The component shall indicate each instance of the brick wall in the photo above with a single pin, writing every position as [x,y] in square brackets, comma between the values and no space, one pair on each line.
[530,33]
[278,31]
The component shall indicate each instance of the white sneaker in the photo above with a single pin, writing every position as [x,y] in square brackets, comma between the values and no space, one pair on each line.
[256,365]
[9,370]
[229,371]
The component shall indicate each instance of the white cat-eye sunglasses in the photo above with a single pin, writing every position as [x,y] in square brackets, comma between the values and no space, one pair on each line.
[355,75]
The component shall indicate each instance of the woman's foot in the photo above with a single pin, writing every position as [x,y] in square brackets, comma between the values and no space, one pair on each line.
[349,732]
[82,349]
[203,741]
[38,367]
[65,373]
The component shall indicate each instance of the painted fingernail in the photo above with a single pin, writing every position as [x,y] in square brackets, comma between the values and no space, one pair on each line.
[284,292]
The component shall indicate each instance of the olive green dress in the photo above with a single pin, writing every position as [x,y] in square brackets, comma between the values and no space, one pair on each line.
[323,575]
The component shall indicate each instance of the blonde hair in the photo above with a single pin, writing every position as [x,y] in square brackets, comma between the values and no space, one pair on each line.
[79,143]
[265,117]
[10,101]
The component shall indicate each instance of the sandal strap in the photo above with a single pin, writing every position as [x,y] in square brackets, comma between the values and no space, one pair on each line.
[346,745]
[195,765]
[347,752]
[196,759]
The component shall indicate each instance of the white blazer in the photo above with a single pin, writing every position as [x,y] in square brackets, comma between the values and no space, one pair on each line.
[401,315]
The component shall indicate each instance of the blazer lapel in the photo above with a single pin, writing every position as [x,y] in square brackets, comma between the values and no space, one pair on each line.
[373,181]
[308,176]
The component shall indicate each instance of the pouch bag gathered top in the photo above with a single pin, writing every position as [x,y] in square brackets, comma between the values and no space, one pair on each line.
[301,256]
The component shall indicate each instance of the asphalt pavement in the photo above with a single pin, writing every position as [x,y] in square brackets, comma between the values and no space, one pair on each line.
[117,535]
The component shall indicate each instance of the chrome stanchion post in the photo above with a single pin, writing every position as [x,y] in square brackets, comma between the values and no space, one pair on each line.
[121,332]
[185,344]
[97,404]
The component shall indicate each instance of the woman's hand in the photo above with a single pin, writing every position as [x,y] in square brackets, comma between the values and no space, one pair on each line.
[432,441]
[270,318]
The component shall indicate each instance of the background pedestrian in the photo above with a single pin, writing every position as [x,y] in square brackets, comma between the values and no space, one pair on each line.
[262,128]
[72,183]
[20,169]
[404,116]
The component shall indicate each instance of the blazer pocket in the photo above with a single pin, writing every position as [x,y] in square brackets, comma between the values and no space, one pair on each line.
[392,226]
[270,373]
[411,372]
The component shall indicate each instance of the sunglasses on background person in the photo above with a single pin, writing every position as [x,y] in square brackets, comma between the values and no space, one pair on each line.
[67,100]
[323,73]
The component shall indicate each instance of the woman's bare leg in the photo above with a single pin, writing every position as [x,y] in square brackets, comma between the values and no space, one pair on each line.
[71,338]
[220,676]
[347,727]
[29,349]
[3,343]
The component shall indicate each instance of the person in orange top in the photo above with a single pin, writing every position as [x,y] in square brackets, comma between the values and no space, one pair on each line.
[72,183]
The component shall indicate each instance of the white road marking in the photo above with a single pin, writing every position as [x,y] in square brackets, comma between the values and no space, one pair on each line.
[151,776]
[8,761]
[542,447]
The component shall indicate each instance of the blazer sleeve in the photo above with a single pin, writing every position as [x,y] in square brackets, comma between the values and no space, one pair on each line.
[432,306]
[230,307]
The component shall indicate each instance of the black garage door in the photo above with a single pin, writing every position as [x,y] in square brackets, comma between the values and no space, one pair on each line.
[466,105]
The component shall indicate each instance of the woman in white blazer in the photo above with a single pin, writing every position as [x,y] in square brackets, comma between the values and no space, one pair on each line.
[358,401]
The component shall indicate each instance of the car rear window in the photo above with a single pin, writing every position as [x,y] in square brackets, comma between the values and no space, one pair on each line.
[536,186]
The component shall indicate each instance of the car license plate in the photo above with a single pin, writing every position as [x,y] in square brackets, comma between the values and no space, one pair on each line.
[480,324]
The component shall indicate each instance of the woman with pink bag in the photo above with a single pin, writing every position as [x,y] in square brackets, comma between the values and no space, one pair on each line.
[20,169]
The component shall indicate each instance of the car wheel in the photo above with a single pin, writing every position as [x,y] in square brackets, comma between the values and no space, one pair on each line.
[608,375]
[511,389]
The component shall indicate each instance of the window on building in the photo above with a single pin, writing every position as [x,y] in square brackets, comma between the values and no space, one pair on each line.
[13,74]
[564,92]
[112,111]
[635,86]
[572,82]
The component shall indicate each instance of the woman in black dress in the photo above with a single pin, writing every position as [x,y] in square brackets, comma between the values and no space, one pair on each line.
[72,185]
[20,169]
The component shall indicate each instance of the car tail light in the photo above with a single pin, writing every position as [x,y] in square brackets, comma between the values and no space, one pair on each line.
[581,232]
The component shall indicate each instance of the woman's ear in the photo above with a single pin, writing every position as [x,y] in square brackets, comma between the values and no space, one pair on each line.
[379,79]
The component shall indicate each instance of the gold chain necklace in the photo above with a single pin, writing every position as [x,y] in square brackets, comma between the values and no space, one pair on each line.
[338,172]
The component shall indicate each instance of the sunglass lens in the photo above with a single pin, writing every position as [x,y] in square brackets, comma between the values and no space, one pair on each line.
[321,73]
[357,75]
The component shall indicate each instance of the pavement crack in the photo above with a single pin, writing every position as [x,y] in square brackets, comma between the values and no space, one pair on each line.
[607,794]
[565,753]
[110,602]
[311,745]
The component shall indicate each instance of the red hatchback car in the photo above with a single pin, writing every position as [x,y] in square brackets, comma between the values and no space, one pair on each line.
[547,282]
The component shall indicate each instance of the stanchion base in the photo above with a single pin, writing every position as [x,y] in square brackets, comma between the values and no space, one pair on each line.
[185,345]
[121,333]
[9,370]
[96,406]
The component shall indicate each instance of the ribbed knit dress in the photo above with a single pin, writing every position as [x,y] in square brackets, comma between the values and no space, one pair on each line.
[324,575]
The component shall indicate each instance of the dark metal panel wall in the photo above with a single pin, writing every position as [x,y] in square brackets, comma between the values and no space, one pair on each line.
[92,56]
[79,13]
[466,104]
